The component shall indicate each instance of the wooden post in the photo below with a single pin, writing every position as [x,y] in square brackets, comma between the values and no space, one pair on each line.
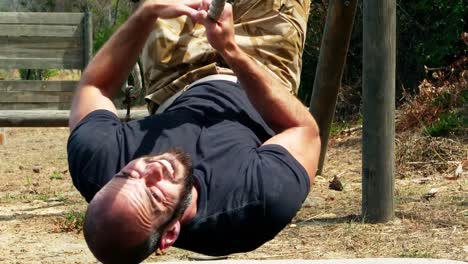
[379,49]
[49,118]
[332,59]
[88,38]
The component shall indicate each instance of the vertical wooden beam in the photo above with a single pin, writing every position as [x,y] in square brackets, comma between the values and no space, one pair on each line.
[379,51]
[88,38]
[332,59]
[3,136]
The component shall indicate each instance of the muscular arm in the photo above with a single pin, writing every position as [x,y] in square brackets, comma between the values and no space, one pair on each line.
[278,107]
[111,66]
[296,128]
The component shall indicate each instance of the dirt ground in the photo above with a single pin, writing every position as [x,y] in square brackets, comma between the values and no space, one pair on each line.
[41,212]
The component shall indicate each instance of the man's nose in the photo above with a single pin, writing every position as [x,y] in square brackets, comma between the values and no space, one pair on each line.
[154,173]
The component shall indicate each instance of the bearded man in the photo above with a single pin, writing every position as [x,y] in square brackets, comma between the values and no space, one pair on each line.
[222,168]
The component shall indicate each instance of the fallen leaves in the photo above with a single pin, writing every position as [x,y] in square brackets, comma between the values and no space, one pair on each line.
[336,184]
[421,180]
[431,194]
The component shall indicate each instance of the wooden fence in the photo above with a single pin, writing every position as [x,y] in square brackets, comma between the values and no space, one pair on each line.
[42,41]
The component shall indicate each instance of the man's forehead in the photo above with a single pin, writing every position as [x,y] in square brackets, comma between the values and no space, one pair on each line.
[133,191]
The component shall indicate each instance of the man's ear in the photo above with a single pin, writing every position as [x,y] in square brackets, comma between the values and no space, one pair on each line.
[169,236]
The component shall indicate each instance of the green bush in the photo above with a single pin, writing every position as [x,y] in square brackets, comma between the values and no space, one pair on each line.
[105,31]
[448,123]
[428,35]
[101,36]
[436,28]
[455,119]
[28,74]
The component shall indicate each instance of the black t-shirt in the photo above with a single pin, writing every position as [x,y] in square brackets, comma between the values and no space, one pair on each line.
[248,192]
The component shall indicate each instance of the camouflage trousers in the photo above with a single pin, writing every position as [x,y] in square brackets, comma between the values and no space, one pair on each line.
[271,32]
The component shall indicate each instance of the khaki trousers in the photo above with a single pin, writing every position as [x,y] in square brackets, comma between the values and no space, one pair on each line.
[271,32]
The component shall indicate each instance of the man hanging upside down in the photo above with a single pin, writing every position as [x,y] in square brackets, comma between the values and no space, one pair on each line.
[226,161]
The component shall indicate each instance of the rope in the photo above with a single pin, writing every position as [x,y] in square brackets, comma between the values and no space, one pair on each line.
[216,8]
[132,92]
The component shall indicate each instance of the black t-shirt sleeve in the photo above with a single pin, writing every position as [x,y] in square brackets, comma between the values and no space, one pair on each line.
[285,185]
[94,151]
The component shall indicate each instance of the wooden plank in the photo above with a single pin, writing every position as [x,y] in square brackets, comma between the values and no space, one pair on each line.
[66,55]
[69,31]
[332,59]
[48,118]
[40,43]
[41,53]
[35,106]
[379,67]
[38,86]
[38,63]
[33,97]
[41,18]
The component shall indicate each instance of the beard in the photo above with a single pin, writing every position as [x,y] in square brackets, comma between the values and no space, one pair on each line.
[187,182]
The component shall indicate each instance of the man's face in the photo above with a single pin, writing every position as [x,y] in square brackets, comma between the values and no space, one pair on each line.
[156,184]
[144,198]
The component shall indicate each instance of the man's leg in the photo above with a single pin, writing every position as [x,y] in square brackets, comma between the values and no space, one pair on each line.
[176,54]
[272,32]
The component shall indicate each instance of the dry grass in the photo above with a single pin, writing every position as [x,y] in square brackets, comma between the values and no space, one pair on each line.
[9,75]
[69,75]
[425,156]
